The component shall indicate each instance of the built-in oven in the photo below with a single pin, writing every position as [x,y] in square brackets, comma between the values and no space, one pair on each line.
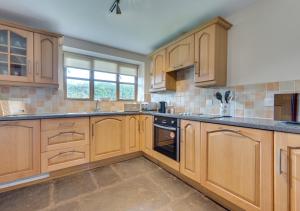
[167,136]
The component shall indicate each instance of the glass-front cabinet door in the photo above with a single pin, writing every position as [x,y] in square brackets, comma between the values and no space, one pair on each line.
[16,55]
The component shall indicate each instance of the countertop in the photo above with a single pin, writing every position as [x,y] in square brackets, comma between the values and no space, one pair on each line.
[255,123]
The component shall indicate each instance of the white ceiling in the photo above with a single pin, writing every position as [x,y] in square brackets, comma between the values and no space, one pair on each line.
[143,26]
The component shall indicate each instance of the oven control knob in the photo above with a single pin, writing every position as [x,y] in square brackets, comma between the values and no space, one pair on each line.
[172,122]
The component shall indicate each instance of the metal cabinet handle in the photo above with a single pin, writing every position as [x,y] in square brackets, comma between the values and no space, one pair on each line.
[279,158]
[66,124]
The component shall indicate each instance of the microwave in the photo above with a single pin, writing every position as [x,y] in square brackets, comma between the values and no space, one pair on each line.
[286,107]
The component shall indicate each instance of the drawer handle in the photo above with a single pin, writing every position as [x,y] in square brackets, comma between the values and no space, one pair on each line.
[66,124]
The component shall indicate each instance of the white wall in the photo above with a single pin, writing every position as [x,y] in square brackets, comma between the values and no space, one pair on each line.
[264,43]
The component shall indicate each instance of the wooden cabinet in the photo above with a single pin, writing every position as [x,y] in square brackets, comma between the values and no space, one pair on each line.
[45,59]
[237,164]
[19,150]
[287,172]
[211,55]
[132,133]
[205,48]
[146,134]
[28,57]
[180,54]
[63,133]
[65,143]
[161,80]
[64,158]
[16,54]
[108,137]
[190,150]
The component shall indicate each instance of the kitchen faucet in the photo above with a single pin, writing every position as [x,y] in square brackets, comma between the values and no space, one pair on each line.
[97,109]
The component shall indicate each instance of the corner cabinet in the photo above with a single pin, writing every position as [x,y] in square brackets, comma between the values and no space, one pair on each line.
[211,55]
[108,137]
[237,164]
[45,59]
[287,172]
[180,54]
[161,80]
[190,150]
[28,57]
[19,150]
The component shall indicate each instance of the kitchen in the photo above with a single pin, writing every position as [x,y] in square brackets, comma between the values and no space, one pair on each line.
[197,109]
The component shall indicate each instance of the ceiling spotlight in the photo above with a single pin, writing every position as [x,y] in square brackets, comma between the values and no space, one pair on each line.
[116,7]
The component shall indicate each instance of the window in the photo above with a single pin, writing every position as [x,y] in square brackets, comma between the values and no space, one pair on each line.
[90,78]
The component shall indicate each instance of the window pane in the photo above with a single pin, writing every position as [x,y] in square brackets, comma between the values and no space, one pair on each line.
[78,89]
[127,79]
[105,90]
[105,76]
[106,66]
[78,73]
[128,70]
[127,92]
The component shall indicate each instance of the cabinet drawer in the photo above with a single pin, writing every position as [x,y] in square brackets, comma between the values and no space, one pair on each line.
[64,158]
[65,123]
[59,139]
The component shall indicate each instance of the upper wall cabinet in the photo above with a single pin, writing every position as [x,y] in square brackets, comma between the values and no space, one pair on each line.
[45,59]
[180,54]
[28,57]
[205,48]
[16,55]
[161,80]
[211,56]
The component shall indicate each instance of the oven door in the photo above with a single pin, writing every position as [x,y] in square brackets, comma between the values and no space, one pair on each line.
[166,141]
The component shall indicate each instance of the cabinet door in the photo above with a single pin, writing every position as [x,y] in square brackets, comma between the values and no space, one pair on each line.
[108,137]
[16,54]
[19,150]
[45,59]
[190,149]
[158,69]
[181,54]
[287,172]
[236,164]
[147,134]
[132,134]
[204,55]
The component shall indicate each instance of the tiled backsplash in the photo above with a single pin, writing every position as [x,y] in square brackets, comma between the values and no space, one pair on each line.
[255,101]
[47,100]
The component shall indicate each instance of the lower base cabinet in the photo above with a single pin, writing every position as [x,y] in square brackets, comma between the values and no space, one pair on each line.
[64,158]
[190,150]
[19,150]
[146,134]
[237,164]
[108,137]
[132,134]
[287,172]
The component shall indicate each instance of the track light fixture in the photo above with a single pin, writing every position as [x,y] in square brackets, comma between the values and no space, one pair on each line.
[116,7]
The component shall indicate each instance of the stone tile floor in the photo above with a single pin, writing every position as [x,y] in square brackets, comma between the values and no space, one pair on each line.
[132,185]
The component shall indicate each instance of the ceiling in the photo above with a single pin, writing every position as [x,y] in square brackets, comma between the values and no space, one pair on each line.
[143,26]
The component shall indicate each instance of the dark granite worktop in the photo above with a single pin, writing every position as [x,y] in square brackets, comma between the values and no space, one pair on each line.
[255,123]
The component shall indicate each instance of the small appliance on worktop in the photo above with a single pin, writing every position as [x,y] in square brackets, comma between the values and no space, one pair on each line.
[167,136]
[162,107]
